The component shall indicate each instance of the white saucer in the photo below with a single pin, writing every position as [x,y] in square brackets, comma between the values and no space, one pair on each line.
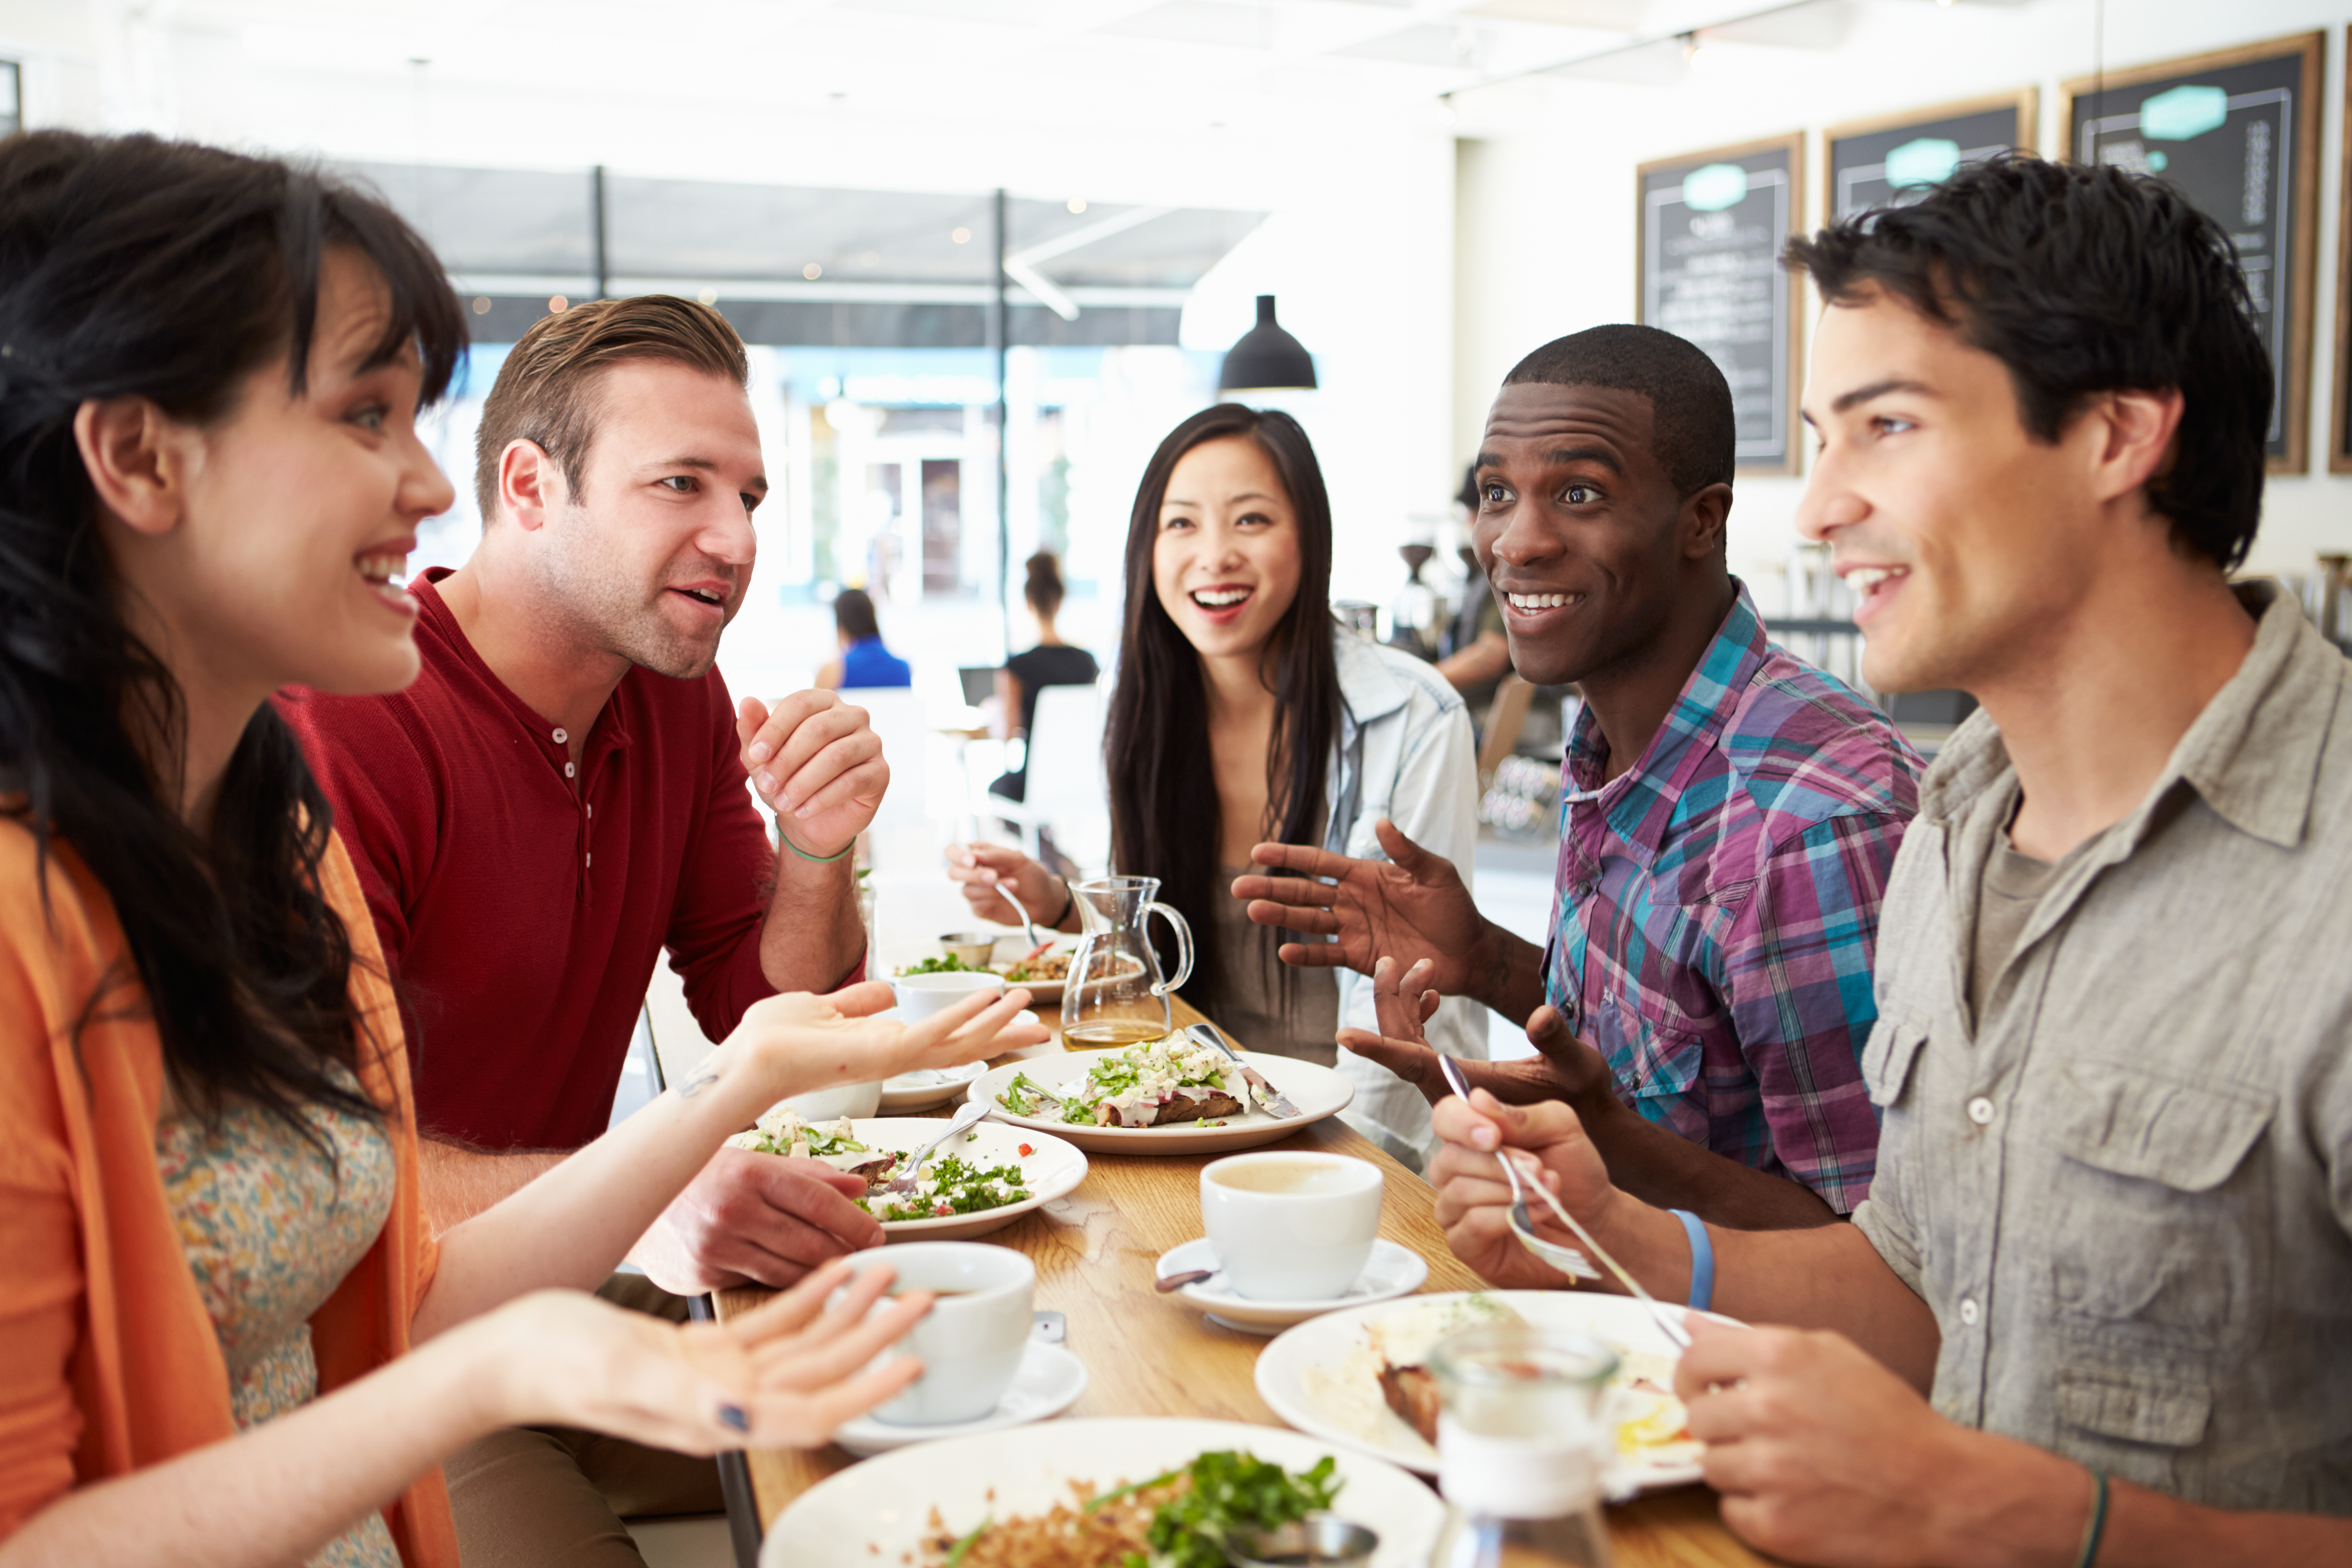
[1049,1381]
[932,1086]
[1393,1271]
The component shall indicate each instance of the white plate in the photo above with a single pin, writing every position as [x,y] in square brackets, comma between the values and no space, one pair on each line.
[1049,1171]
[923,1090]
[1049,1381]
[1393,1271]
[868,1514]
[1318,1091]
[1323,1377]
[1014,948]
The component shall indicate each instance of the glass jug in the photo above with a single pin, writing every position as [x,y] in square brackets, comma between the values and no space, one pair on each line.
[1523,1430]
[1116,996]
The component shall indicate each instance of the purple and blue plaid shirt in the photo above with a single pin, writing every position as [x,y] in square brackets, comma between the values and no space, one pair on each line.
[1717,909]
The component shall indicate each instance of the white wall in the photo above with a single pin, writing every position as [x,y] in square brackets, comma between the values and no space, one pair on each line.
[1545,228]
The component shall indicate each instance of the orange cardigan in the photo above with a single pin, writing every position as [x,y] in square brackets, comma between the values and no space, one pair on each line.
[107,1359]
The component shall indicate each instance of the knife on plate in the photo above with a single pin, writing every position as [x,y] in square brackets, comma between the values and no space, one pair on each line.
[1278,1103]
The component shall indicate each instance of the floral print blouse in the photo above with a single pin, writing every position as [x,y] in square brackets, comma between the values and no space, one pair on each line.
[271,1227]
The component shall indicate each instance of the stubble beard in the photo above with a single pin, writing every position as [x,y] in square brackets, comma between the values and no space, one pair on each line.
[604,613]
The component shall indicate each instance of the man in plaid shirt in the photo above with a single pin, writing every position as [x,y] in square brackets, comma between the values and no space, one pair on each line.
[1729,819]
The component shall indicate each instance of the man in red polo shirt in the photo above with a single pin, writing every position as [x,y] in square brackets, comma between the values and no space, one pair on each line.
[560,798]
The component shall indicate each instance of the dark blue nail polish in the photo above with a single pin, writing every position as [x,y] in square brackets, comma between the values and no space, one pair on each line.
[735,1416]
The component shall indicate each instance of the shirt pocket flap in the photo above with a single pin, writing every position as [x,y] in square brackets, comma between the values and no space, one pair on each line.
[2137,1409]
[2185,1136]
[1886,1058]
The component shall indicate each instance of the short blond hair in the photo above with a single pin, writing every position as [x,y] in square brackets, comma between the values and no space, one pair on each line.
[546,392]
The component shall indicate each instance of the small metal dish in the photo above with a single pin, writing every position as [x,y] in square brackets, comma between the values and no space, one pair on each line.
[1319,1540]
[971,947]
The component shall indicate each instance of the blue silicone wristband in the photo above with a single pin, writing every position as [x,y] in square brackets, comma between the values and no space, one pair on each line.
[1702,1288]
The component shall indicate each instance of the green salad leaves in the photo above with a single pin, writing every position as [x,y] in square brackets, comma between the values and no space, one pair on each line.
[1230,1491]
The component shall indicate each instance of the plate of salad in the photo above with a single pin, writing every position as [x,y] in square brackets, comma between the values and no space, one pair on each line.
[1096,1493]
[1042,977]
[978,1182]
[1164,1097]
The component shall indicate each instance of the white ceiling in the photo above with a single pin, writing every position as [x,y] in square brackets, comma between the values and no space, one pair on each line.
[1122,63]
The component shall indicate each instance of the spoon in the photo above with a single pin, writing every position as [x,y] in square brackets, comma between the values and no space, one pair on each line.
[1167,1282]
[969,1112]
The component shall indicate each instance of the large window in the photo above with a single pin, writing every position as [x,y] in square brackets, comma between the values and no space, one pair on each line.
[12,97]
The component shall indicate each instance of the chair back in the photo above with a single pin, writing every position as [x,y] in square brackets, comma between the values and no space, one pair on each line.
[900,718]
[1066,783]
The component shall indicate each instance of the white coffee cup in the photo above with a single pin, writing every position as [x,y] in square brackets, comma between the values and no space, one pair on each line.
[920,995]
[1291,1226]
[971,1339]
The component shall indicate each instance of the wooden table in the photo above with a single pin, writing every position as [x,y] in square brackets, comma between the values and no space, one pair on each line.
[1151,1354]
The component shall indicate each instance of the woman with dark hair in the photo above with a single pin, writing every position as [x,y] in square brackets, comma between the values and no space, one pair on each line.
[1052,662]
[1242,712]
[211,1242]
[863,660]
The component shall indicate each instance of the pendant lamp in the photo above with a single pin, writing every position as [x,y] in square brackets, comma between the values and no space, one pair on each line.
[1267,358]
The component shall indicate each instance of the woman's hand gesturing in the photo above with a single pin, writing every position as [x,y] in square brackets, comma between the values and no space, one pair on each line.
[786,1375]
[801,1042]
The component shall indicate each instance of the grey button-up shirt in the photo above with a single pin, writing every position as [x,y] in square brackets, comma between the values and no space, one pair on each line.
[2125,1188]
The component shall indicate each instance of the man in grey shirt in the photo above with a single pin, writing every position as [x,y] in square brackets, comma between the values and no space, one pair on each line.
[2111,1235]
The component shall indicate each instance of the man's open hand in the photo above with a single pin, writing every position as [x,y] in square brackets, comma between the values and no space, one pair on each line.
[817,764]
[750,1218]
[1565,1067]
[1410,907]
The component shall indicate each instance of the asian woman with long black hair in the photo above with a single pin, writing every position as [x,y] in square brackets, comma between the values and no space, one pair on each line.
[1242,712]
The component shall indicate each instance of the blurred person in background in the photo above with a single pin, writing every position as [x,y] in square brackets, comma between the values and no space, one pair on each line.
[1052,662]
[1244,712]
[1731,815]
[558,801]
[1476,654]
[863,660]
[229,1334]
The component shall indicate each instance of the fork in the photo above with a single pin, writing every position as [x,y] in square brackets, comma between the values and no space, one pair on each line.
[965,1118]
[1567,1260]
[1278,1103]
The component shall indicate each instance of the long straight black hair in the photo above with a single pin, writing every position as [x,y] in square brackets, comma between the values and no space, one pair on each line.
[1163,789]
[131,266]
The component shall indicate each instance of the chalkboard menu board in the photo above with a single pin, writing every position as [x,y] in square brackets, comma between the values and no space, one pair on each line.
[2238,132]
[2339,444]
[1894,161]
[1712,224]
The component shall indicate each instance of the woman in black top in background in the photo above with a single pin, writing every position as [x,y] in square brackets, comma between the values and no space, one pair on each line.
[1052,662]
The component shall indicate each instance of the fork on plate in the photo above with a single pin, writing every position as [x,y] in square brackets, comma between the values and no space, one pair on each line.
[965,1118]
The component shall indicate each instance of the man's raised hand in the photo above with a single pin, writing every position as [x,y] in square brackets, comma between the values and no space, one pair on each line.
[1410,907]
[817,764]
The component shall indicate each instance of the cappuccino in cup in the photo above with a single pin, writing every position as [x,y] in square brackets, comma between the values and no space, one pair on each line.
[1291,1226]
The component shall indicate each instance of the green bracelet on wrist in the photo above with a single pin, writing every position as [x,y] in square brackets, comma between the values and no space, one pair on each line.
[820,859]
[2096,1525]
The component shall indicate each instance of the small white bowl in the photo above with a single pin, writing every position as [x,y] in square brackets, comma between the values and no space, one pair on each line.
[920,995]
[852,1100]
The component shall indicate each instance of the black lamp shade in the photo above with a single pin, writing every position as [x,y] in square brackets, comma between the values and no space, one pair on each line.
[1266,357]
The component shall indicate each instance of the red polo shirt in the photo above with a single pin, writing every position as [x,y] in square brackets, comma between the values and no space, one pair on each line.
[522,903]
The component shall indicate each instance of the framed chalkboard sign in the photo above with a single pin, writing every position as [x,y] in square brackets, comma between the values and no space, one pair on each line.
[1893,160]
[1711,227]
[2239,132]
